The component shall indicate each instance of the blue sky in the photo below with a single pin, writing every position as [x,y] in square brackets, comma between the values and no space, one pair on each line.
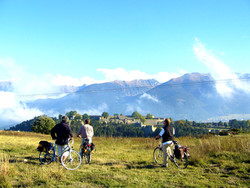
[48,43]
[94,39]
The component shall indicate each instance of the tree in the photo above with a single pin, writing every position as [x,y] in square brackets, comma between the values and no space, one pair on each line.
[43,125]
[85,116]
[105,115]
[136,115]
[143,120]
[149,116]
[71,114]
[60,117]
[78,117]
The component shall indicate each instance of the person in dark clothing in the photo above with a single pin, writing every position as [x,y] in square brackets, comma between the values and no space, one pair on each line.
[167,139]
[61,133]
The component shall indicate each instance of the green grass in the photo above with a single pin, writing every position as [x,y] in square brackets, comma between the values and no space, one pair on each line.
[127,162]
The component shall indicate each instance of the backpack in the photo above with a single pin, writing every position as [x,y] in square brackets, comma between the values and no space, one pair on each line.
[44,146]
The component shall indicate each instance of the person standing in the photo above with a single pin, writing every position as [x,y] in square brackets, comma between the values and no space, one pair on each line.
[62,132]
[167,139]
[86,131]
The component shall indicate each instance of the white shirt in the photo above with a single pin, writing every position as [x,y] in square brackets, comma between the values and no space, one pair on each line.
[161,133]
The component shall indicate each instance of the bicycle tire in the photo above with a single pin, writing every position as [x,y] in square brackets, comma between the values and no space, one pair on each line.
[46,158]
[71,163]
[181,163]
[87,157]
[158,155]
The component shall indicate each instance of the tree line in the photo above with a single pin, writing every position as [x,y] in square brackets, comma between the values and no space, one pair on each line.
[43,124]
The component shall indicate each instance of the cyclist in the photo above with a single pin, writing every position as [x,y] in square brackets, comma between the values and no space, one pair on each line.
[86,131]
[167,137]
[62,132]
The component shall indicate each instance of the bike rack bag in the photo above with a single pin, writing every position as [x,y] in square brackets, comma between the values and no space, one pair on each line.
[44,146]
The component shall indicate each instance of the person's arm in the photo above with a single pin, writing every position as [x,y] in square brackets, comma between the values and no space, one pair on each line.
[70,133]
[160,134]
[52,133]
[79,132]
[92,132]
[157,137]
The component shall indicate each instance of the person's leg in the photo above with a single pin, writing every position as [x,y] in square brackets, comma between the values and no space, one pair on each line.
[59,151]
[90,140]
[166,152]
[83,140]
[164,155]
[65,154]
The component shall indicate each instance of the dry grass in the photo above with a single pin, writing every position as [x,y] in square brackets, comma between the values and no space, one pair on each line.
[126,162]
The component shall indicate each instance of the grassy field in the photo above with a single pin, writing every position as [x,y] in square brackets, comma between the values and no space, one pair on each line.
[127,162]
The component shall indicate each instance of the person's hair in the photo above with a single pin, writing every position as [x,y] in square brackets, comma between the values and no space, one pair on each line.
[87,121]
[65,119]
[167,121]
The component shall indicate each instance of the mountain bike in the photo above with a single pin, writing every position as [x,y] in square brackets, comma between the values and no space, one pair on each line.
[179,159]
[69,158]
[86,151]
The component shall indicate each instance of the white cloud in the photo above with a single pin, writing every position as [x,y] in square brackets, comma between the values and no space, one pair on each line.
[122,74]
[219,70]
[98,110]
[60,80]
[13,111]
[147,96]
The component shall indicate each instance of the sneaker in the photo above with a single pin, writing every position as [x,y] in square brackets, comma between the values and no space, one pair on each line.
[164,165]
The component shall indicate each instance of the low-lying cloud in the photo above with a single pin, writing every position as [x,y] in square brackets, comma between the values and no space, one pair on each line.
[149,97]
[27,86]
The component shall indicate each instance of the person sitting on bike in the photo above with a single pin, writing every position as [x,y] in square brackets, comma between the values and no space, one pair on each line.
[86,131]
[62,132]
[167,137]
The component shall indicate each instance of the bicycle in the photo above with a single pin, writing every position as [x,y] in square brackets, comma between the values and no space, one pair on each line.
[69,158]
[179,161]
[86,151]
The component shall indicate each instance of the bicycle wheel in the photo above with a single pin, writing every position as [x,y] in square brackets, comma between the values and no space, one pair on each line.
[87,157]
[46,158]
[182,162]
[71,159]
[158,155]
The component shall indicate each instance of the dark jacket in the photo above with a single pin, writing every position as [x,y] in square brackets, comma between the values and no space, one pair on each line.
[168,134]
[61,132]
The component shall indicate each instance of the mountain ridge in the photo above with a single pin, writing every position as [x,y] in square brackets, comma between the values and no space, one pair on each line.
[193,96]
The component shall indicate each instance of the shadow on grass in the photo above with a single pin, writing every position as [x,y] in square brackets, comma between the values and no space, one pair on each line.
[141,167]
[28,160]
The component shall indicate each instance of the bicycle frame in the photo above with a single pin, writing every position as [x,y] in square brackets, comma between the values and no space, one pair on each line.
[169,149]
[67,148]
[179,162]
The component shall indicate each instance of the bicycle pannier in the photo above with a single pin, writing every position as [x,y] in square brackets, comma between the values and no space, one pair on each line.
[92,146]
[179,152]
[187,151]
[44,146]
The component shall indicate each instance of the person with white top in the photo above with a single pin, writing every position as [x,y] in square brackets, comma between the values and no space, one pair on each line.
[167,139]
[86,131]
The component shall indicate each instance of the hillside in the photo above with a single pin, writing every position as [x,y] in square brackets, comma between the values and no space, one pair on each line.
[191,96]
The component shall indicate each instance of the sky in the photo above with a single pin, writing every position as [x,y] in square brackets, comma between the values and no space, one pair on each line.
[46,43]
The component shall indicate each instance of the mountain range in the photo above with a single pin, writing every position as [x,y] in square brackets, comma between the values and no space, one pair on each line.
[192,96]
